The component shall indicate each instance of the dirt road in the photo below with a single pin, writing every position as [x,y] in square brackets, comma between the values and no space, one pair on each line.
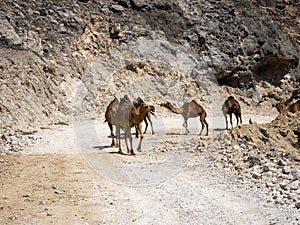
[71,177]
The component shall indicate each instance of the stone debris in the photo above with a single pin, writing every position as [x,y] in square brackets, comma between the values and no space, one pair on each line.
[268,163]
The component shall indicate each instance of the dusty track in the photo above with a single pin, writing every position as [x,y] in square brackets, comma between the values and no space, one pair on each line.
[72,177]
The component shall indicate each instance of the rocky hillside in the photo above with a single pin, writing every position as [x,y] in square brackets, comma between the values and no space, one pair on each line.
[53,52]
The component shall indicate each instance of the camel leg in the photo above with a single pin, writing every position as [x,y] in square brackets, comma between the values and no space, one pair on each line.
[146,125]
[126,136]
[130,141]
[115,141]
[226,120]
[237,119]
[151,127]
[206,124]
[202,127]
[185,126]
[119,138]
[139,148]
[112,134]
[203,122]
[136,132]
[149,118]
[230,117]
[240,115]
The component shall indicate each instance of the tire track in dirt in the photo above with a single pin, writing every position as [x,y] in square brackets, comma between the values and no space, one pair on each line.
[195,192]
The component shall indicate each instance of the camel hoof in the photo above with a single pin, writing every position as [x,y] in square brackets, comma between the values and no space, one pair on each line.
[120,152]
[132,152]
[139,149]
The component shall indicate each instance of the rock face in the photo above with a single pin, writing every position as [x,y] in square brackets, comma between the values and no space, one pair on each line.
[45,47]
[239,43]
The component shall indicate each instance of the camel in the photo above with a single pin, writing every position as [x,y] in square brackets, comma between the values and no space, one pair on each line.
[147,116]
[295,107]
[110,118]
[189,110]
[231,105]
[130,115]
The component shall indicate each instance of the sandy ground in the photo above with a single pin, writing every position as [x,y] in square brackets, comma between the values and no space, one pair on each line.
[71,176]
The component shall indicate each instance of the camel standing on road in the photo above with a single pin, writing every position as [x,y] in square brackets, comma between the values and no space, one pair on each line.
[110,118]
[189,110]
[232,106]
[147,116]
[295,107]
[130,115]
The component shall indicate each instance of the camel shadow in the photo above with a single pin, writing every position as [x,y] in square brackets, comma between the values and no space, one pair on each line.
[119,153]
[182,134]
[101,147]
[219,129]
[175,133]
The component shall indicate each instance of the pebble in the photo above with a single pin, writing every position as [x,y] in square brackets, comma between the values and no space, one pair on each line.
[286,170]
[256,175]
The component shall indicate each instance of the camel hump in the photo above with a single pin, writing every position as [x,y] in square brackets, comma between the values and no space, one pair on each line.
[116,100]
[125,99]
[230,97]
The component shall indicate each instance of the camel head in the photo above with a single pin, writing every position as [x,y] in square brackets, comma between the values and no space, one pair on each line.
[138,102]
[146,106]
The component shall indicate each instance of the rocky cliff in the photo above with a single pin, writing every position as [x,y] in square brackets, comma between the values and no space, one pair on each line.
[47,47]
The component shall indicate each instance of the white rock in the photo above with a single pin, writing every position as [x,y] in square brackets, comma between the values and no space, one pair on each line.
[294,185]
[256,175]
[286,170]
[283,185]
[236,147]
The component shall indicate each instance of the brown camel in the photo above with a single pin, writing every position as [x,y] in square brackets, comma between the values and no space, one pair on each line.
[147,116]
[230,106]
[130,115]
[110,117]
[295,107]
[189,110]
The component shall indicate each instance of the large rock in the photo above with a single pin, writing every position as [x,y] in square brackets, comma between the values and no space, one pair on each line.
[8,36]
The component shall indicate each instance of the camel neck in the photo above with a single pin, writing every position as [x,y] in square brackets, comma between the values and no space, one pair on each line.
[176,110]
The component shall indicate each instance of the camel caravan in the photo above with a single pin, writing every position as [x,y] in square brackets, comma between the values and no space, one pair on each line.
[125,114]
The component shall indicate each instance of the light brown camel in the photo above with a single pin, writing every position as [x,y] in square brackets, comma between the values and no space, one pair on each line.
[129,116]
[295,107]
[232,106]
[110,118]
[189,110]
